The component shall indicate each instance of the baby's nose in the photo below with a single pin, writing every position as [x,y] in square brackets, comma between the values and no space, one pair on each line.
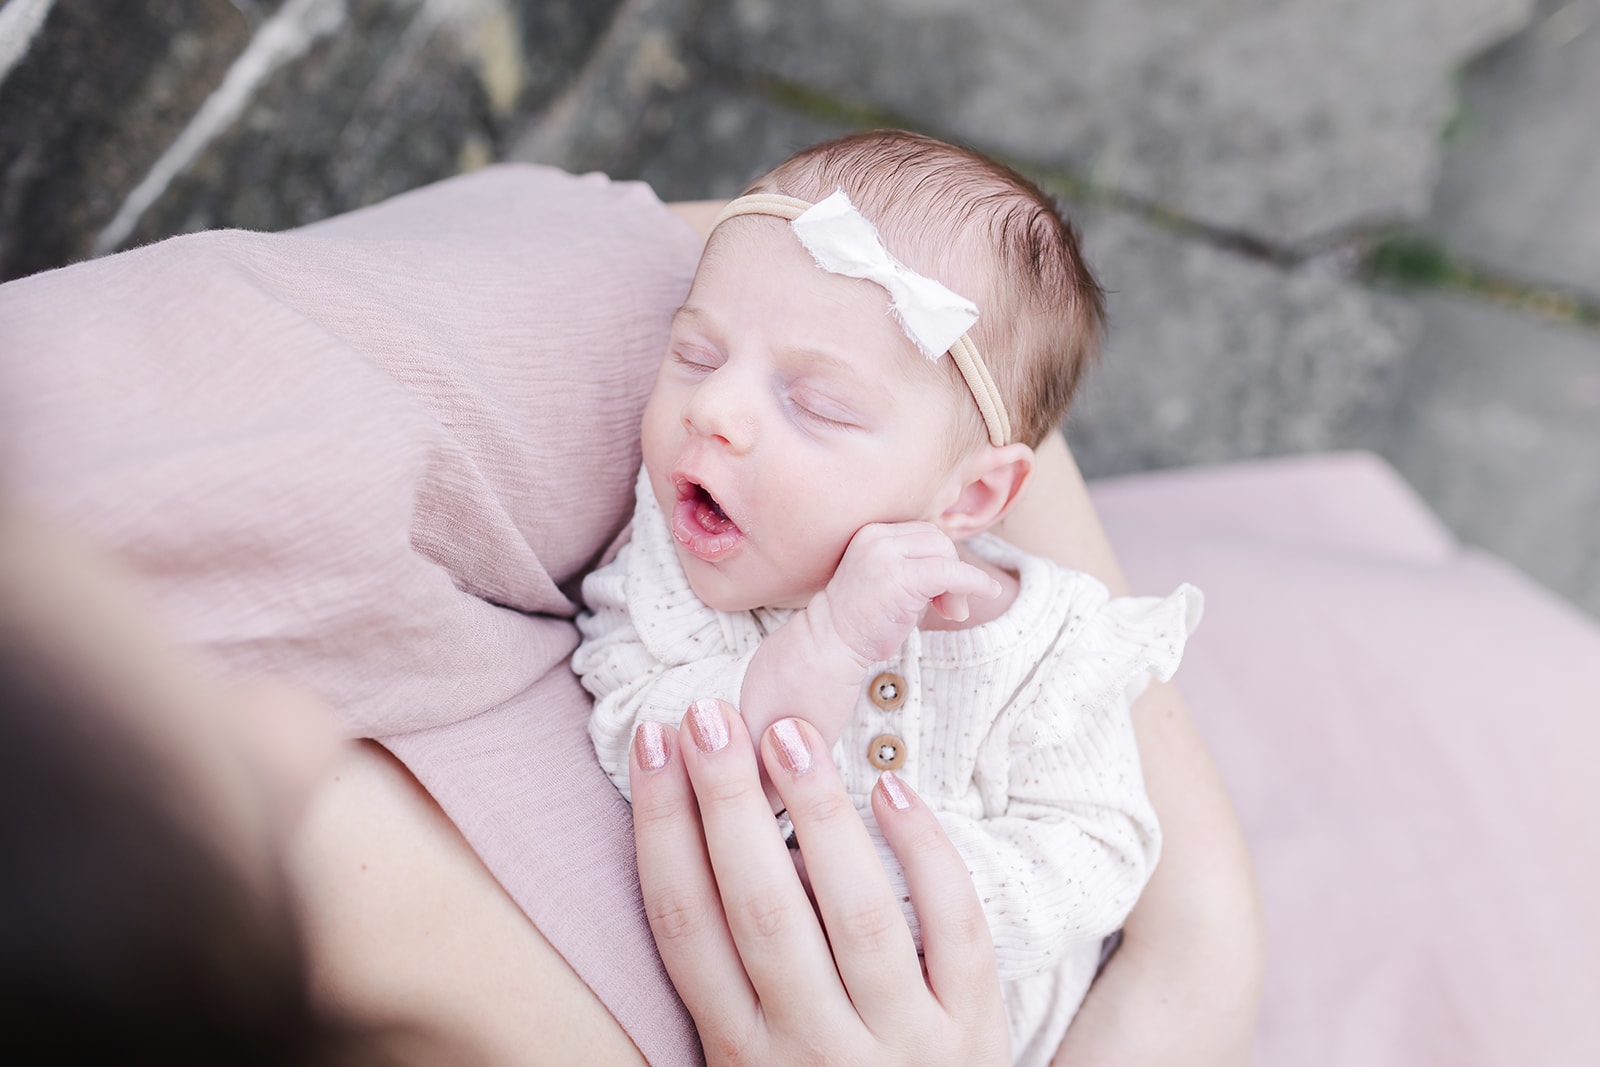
[717,410]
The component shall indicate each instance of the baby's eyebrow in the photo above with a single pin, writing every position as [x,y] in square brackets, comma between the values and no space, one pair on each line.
[830,361]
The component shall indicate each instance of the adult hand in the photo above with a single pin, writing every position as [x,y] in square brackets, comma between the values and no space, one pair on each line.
[765,981]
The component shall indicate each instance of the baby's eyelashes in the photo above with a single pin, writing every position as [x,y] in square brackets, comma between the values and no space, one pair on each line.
[695,361]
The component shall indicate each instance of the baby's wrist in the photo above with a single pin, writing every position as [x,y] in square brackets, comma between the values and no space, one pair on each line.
[842,658]
[799,671]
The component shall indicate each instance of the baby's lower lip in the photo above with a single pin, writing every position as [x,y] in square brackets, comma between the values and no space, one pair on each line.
[701,527]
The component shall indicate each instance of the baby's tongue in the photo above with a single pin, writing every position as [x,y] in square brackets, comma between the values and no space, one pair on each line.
[712,519]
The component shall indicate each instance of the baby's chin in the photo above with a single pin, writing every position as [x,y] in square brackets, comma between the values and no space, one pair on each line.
[717,592]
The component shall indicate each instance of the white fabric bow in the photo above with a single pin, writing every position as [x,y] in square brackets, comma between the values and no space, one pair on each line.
[842,241]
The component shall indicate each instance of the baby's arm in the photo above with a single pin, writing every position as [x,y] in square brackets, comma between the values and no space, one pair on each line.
[813,665]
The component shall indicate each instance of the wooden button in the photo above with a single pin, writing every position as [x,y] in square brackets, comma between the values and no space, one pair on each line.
[888,691]
[887,752]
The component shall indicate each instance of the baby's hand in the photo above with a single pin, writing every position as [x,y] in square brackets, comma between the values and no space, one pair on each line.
[890,574]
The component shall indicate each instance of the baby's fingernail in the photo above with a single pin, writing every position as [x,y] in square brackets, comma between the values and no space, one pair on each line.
[650,746]
[894,791]
[789,742]
[708,725]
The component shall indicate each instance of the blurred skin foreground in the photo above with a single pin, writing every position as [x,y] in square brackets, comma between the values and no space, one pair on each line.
[144,912]
[185,865]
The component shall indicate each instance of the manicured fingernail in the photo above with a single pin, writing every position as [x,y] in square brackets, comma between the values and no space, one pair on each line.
[790,744]
[650,746]
[894,791]
[708,725]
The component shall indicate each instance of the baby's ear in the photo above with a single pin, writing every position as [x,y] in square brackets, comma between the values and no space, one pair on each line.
[992,480]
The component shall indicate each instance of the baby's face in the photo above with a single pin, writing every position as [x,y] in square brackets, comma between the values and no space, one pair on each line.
[789,412]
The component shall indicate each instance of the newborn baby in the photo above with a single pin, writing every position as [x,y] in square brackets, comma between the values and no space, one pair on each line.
[879,333]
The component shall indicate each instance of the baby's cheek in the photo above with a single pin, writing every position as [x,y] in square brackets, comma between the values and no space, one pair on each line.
[658,439]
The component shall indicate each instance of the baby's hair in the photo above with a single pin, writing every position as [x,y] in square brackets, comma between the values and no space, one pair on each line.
[944,210]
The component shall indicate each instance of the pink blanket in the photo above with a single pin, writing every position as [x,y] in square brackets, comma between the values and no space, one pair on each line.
[1407,729]
[374,453]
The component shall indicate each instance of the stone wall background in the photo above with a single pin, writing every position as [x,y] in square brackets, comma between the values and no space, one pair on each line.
[1325,223]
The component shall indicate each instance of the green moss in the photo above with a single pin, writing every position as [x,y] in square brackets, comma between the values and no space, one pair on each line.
[828,109]
[1413,261]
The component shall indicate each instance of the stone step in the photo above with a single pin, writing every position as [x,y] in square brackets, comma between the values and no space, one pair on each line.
[1498,427]
[1520,189]
[1288,122]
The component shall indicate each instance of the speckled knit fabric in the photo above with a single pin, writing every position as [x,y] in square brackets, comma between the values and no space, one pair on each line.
[1016,732]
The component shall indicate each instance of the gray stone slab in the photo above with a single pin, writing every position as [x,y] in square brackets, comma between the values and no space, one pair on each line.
[1286,121]
[714,139]
[383,104]
[1499,430]
[1520,188]
[601,117]
[1214,356]
[125,123]
[88,108]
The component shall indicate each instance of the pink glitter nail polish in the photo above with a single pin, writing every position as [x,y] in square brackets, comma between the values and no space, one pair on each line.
[894,791]
[790,745]
[650,746]
[708,725]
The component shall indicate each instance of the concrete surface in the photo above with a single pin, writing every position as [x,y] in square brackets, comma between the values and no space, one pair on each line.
[719,138]
[1498,427]
[1520,191]
[1212,355]
[1287,121]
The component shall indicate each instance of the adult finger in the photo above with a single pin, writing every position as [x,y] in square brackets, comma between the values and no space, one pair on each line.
[956,946]
[872,946]
[768,914]
[680,890]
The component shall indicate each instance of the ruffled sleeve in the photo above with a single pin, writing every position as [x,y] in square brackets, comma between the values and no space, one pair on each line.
[1131,641]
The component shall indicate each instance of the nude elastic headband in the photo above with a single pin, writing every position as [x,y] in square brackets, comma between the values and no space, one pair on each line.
[842,241]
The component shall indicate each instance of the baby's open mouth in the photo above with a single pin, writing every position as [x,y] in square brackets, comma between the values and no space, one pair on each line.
[700,525]
[708,513]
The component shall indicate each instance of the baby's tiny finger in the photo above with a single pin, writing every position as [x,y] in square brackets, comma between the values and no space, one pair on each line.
[985,585]
[952,606]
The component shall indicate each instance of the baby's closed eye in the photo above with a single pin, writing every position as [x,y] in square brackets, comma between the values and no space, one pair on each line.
[822,408]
